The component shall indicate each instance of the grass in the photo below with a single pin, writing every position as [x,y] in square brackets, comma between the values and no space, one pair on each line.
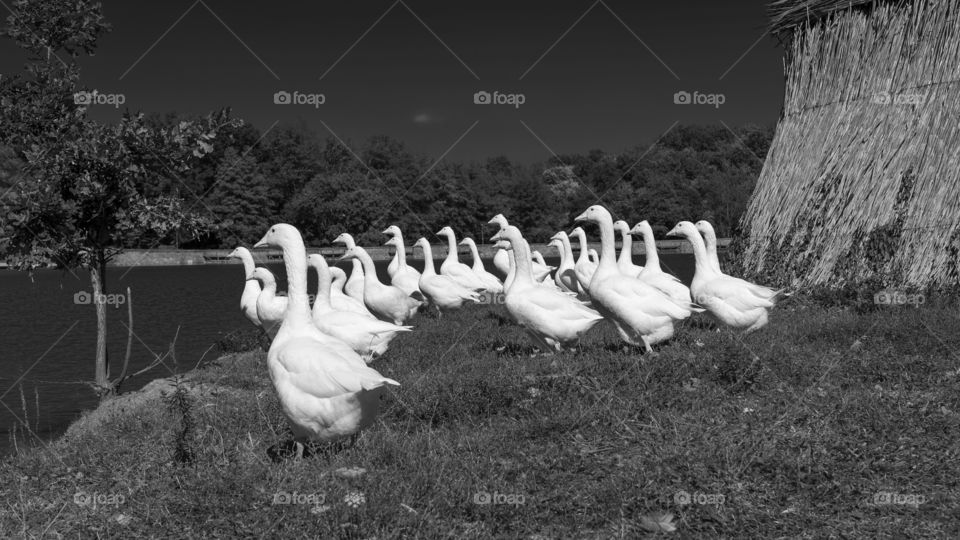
[799,430]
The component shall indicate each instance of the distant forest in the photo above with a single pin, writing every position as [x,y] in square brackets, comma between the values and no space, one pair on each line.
[250,181]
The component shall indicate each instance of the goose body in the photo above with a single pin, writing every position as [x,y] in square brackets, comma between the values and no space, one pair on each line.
[735,302]
[625,260]
[340,300]
[652,274]
[442,291]
[555,320]
[367,336]
[492,284]
[386,302]
[453,268]
[642,314]
[325,389]
[270,307]
[251,287]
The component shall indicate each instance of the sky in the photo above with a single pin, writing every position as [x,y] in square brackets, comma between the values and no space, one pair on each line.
[562,76]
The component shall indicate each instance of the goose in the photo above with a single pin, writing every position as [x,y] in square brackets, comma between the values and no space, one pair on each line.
[641,313]
[354,286]
[502,261]
[584,267]
[251,287]
[452,266]
[555,320]
[566,277]
[735,302]
[270,305]
[710,242]
[367,336]
[493,285]
[625,261]
[326,391]
[340,300]
[405,278]
[386,302]
[394,232]
[442,291]
[652,274]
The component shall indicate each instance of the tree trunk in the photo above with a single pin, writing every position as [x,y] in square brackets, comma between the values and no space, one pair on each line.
[98,279]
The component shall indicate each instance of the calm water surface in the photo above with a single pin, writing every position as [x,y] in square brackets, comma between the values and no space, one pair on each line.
[48,340]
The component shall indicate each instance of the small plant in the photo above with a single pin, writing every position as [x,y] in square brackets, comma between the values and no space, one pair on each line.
[181,404]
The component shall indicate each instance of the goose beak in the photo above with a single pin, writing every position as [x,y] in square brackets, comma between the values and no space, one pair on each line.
[674,231]
[261,243]
[495,238]
[462,242]
[385,231]
[251,278]
[581,217]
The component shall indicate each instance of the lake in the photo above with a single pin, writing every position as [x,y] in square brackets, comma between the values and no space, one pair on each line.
[48,339]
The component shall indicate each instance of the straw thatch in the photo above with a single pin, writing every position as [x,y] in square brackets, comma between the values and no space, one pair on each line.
[862,180]
[787,15]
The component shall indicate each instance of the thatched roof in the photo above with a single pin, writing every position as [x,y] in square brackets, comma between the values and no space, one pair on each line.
[786,15]
[862,180]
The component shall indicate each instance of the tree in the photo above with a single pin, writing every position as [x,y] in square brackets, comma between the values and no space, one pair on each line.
[82,192]
[239,199]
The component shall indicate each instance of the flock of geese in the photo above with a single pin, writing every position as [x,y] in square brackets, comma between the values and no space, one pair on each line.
[319,354]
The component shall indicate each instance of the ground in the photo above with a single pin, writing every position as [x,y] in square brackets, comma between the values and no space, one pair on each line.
[828,422]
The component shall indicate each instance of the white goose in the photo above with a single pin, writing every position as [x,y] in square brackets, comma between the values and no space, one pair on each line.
[443,292]
[652,273]
[270,306]
[502,261]
[641,313]
[406,278]
[710,242]
[455,269]
[565,278]
[625,261]
[394,233]
[354,286]
[340,300]
[584,267]
[555,320]
[493,285]
[251,287]
[325,389]
[387,302]
[737,303]
[367,336]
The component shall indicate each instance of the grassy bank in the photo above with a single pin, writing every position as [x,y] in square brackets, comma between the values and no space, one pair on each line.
[826,423]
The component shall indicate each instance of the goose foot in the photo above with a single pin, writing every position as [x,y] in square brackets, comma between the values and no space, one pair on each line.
[285,450]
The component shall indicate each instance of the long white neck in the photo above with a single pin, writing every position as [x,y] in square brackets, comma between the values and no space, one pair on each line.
[428,269]
[323,284]
[703,266]
[650,248]
[522,262]
[608,253]
[295,262]
[348,241]
[401,251]
[567,253]
[452,247]
[710,241]
[251,287]
[584,256]
[357,270]
[369,269]
[626,248]
[477,263]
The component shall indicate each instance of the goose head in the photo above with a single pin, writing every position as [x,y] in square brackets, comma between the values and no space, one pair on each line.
[467,242]
[579,233]
[423,243]
[264,276]
[350,253]
[339,276]
[239,253]
[509,233]
[595,214]
[503,244]
[500,221]
[315,260]
[344,238]
[392,231]
[706,229]
[684,228]
[555,242]
[278,236]
[641,228]
[620,226]
[391,242]
[445,231]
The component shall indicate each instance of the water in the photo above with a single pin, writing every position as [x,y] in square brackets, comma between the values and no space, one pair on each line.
[48,340]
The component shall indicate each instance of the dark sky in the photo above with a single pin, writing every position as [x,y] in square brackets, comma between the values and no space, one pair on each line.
[608,83]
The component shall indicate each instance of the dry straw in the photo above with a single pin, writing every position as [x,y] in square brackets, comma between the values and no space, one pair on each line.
[862,180]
